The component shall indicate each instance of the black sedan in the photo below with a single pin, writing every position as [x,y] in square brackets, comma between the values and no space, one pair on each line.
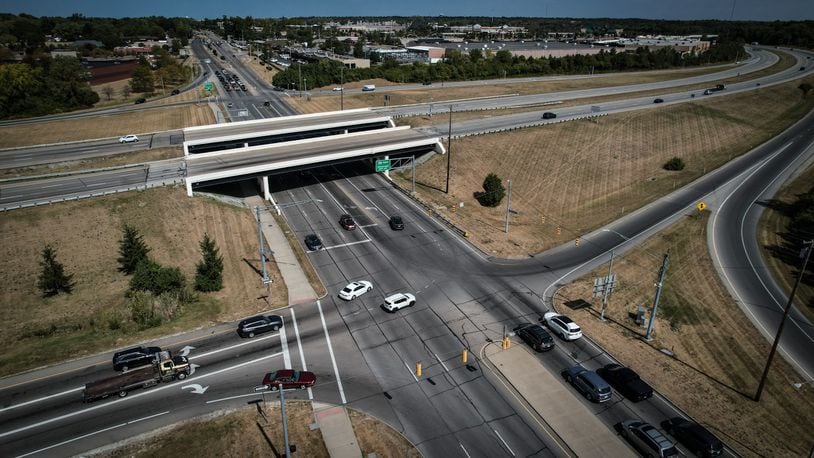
[396,223]
[658,101]
[626,381]
[313,242]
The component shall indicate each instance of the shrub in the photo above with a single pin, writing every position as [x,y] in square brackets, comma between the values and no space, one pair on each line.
[493,191]
[675,163]
[151,276]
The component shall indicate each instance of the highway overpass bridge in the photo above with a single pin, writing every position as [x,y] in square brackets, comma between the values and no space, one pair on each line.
[353,142]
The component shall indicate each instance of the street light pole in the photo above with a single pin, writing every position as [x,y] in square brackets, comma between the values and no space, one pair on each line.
[807,255]
[608,286]
[659,285]
[285,423]
[449,147]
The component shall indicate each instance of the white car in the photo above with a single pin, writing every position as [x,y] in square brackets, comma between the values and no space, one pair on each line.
[398,301]
[355,289]
[562,326]
[128,139]
[337,89]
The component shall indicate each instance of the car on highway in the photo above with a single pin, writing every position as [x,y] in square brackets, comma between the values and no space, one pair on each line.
[589,383]
[355,289]
[313,242]
[289,379]
[396,223]
[140,100]
[175,92]
[427,83]
[626,381]
[647,439]
[128,139]
[267,103]
[259,324]
[695,437]
[549,115]
[658,101]
[134,357]
[562,326]
[337,89]
[398,301]
[347,223]
[230,105]
[535,336]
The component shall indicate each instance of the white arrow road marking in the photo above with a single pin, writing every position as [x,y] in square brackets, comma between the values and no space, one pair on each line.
[197,389]
[185,351]
[130,398]
[192,368]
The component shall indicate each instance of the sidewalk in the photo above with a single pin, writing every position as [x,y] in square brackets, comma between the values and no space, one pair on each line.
[583,433]
[299,289]
[337,431]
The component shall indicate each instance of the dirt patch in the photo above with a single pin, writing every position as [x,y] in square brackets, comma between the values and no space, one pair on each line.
[107,126]
[246,433]
[570,178]
[719,355]
[780,252]
[86,234]
[115,160]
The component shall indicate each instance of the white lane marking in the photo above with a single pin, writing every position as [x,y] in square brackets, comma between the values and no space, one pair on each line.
[284,343]
[93,434]
[248,342]
[410,370]
[232,397]
[331,352]
[504,442]
[442,363]
[190,358]
[145,393]
[368,225]
[462,448]
[72,390]
[347,244]
[732,288]
[299,345]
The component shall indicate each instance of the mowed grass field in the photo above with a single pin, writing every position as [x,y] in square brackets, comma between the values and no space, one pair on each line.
[719,355]
[106,126]
[86,233]
[779,256]
[572,177]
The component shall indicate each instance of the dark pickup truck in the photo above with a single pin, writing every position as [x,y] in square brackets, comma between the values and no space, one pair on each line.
[625,381]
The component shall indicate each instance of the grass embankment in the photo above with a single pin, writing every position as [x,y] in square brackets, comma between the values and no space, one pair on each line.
[781,249]
[96,316]
[581,175]
[719,355]
[135,157]
[437,93]
[245,433]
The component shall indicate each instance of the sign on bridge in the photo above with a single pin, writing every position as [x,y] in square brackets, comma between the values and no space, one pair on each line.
[382,165]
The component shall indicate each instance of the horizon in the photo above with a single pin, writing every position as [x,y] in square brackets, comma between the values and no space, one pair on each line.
[691,10]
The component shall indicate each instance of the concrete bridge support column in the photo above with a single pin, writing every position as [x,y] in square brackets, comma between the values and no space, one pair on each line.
[189,187]
[264,185]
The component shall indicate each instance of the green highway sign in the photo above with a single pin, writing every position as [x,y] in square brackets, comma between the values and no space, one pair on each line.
[382,165]
[209,86]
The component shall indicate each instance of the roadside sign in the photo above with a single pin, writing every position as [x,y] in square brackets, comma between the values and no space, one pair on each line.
[382,165]
[209,86]
[701,206]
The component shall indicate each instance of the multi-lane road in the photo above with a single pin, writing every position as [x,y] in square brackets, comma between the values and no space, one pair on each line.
[364,356]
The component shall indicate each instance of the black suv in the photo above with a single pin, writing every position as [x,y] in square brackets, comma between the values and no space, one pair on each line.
[396,223]
[536,336]
[258,325]
[313,242]
[549,115]
[134,357]
[626,381]
[695,437]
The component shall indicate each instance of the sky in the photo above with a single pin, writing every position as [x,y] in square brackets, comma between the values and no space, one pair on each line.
[761,10]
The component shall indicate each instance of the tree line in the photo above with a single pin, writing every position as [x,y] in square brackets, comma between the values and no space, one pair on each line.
[479,65]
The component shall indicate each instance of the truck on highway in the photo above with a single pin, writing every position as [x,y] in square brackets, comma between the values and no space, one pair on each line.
[165,368]
[368,87]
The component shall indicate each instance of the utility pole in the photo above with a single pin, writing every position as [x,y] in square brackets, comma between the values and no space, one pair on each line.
[285,423]
[342,87]
[262,247]
[299,72]
[607,290]
[449,147]
[508,206]
[659,285]
[805,257]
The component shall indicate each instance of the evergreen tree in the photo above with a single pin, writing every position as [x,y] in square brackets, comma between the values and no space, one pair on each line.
[209,276]
[142,80]
[493,191]
[53,279]
[132,249]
